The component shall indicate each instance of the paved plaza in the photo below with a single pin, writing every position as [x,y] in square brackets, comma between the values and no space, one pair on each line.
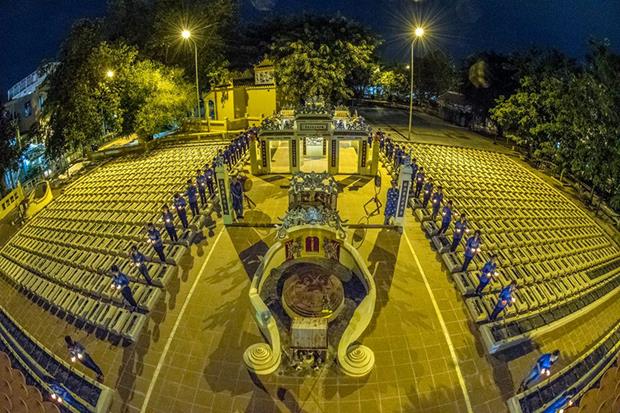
[429,357]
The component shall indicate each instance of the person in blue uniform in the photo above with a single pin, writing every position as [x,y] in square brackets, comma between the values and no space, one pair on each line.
[419,182]
[472,248]
[59,393]
[139,260]
[210,179]
[192,198]
[77,352]
[180,205]
[460,229]
[168,220]
[446,217]
[504,300]
[414,173]
[428,192]
[236,192]
[437,200]
[155,240]
[542,368]
[120,281]
[486,274]
[564,401]
[391,203]
[201,183]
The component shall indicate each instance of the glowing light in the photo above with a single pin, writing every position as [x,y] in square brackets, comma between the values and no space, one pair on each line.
[186,34]
[419,32]
[110,74]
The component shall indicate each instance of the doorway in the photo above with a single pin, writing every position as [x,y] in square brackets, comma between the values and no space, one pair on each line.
[348,156]
[313,155]
[279,153]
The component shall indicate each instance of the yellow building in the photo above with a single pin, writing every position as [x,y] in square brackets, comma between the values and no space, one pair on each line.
[248,98]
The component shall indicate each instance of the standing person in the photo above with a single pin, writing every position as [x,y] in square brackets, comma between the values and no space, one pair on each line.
[59,393]
[139,260]
[472,248]
[446,217]
[210,178]
[236,192]
[419,182]
[168,219]
[541,368]
[414,173]
[391,203]
[486,274]
[192,198]
[120,281]
[428,191]
[180,205]
[201,183]
[437,200]
[155,240]
[78,352]
[564,401]
[460,228]
[504,300]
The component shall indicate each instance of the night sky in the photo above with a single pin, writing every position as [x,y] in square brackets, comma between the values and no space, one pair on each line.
[31,30]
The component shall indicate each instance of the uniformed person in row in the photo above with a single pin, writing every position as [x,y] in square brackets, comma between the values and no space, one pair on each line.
[180,205]
[428,192]
[236,192]
[446,217]
[77,352]
[561,403]
[437,200]
[460,229]
[168,220]
[392,203]
[419,182]
[487,274]
[472,248]
[414,173]
[504,300]
[155,239]
[201,184]
[139,260]
[192,198]
[542,368]
[120,281]
[210,179]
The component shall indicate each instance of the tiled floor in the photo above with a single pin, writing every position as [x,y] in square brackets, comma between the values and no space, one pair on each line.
[201,367]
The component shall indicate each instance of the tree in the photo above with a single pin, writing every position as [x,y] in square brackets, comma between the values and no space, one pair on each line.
[434,73]
[392,82]
[73,116]
[9,153]
[316,55]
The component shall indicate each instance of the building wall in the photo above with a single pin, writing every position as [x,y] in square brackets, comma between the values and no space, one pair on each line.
[27,109]
[261,101]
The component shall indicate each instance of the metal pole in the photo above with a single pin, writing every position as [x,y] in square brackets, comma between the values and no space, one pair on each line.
[197,88]
[411,94]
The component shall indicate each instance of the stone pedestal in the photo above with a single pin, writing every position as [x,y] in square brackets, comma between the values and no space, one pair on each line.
[404,184]
[223,190]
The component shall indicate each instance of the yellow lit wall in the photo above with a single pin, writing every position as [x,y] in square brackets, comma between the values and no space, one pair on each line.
[261,100]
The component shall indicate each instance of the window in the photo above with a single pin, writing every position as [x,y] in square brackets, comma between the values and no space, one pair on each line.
[312,244]
[27,109]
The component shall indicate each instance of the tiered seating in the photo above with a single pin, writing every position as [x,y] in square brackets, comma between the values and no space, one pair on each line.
[26,367]
[560,258]
[62,257]
[595,366]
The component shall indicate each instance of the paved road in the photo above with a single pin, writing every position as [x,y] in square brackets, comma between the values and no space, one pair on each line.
[426,129]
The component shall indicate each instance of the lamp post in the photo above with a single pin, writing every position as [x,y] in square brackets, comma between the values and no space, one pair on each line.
[418,32]
[187,35]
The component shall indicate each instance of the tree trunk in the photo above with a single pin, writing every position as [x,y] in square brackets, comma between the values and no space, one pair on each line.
[562,175]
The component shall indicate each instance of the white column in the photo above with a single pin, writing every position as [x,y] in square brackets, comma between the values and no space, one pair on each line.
[404,183]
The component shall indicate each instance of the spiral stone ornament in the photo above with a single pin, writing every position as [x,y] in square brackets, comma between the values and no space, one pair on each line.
[358,361]
[260,359]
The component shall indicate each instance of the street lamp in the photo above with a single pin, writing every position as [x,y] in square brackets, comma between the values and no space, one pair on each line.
[187,35]
[419,33]
[109,74]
